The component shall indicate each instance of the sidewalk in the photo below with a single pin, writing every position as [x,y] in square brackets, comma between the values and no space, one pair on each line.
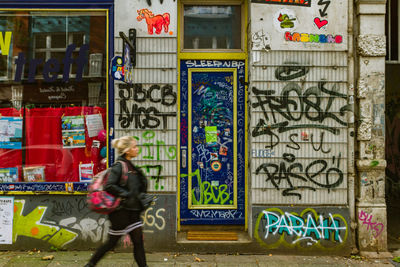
[79,259]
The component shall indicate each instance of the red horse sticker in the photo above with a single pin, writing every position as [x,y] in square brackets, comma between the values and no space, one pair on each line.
[158,21]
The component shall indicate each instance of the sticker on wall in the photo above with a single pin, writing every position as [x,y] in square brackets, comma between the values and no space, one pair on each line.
[320,23]
[213,156]
[227,132]
[117,68]
[261,41]
[155,23]
[223,150]
[304,136]
[201,164]
[216,166]
[211,135]
[313,38]
[285,19]
[215,183]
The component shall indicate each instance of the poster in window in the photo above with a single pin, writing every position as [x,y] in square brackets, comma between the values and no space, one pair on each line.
[86,172]
[10,132]
[6,219]
[94,124]
[73,131]
[34,174]
[8,175]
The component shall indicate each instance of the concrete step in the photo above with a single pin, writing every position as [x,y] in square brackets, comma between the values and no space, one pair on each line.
[219,237]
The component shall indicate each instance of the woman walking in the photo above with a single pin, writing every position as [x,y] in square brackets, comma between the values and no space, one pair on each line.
[126,218]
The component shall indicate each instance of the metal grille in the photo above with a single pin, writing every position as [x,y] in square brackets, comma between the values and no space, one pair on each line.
[298,128]
[147,110]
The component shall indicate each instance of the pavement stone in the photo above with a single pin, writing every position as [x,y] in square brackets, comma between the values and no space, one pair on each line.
[25,261]
[172,259]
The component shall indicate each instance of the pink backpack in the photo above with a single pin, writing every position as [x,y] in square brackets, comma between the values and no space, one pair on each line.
[99,200]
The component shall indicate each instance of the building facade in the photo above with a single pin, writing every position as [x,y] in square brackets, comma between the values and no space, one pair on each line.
[260,122]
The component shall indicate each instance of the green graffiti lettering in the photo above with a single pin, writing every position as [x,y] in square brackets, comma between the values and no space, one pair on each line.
[207,193]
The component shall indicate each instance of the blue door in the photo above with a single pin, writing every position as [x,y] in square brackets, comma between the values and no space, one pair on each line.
[212,145]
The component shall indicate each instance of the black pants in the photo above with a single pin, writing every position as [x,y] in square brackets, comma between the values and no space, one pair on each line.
[120,220]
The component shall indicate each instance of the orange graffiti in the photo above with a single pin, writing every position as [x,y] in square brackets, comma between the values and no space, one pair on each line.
[157,21]
[34,231]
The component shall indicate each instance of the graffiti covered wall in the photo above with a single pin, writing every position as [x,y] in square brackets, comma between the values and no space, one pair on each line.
[302,229]
[301,117]
[300,25]
[65,222]
[147,107]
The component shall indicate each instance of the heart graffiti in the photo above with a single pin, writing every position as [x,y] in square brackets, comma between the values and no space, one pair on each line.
[320,23]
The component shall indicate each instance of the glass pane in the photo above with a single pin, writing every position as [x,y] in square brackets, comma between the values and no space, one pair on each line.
[3,66]
[40,41]
[58,40]
[77,39]
[212,27]
[43,132]
[42,56]
[59,56]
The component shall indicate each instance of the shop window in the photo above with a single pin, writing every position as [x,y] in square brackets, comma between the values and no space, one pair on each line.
[52,99]
[216,27]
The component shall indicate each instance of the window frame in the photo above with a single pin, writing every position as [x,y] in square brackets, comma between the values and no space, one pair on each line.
[243,24]
[49,50]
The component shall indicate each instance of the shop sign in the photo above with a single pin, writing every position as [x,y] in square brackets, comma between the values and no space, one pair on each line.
[55,92]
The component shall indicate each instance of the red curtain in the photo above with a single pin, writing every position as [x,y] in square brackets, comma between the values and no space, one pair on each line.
[44,143]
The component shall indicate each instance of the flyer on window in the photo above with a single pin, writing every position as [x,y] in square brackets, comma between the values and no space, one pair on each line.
[6,219]
[10,132]
[86,172]
[34,174]
[73,131]
[94,123]
[8,175]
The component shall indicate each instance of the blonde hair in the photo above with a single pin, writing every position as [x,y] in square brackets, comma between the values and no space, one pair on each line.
[123,144]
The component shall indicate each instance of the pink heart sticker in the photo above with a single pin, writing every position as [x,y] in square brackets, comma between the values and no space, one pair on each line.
[320,23]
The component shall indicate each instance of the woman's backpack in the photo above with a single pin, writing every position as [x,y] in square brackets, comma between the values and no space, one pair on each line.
[99,200]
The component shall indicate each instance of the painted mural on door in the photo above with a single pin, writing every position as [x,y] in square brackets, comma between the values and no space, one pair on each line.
[212,183]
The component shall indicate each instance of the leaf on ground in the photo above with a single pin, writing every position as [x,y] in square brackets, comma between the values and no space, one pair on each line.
[198,259]
[396,259]
[48,258]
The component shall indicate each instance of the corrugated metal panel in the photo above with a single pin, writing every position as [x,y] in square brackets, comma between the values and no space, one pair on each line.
[150,45]
[148,110]
[298,127]
[307,58]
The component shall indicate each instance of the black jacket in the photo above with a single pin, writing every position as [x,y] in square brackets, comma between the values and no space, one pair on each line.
[130,191]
